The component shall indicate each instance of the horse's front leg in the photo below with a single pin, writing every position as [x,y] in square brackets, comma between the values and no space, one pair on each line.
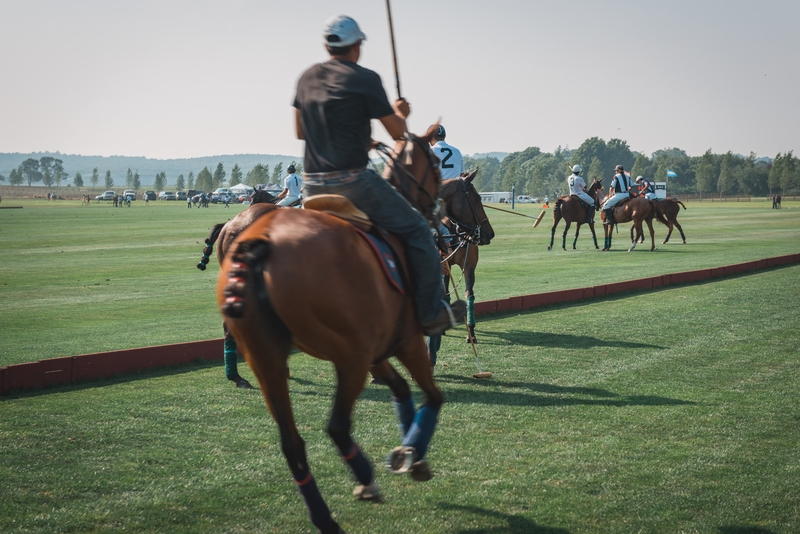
[594,235]
[469,294]
[411,456]
[577,232]
[553,230]
[638,226]
[652,236]
[351,378]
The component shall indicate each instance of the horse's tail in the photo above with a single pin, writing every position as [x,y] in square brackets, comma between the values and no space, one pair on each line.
[659,213]
[681,203]
[209,248]
[557,208]
[244,275]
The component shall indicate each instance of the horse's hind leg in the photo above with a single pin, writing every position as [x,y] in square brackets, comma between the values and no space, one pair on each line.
[351,378]
[594,235]
[577,232]
[669,233]
[266,342]
[564,236]
[681,231]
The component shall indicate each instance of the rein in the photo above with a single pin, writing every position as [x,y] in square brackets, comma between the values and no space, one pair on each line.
[473,233]
[399,172]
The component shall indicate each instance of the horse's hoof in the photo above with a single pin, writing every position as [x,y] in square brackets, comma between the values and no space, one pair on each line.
[368,493]
[400,460]
[420,471]
[472,339]
[241,383]
[549,248]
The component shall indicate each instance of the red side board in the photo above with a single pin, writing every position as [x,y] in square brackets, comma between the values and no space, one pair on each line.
[55,371]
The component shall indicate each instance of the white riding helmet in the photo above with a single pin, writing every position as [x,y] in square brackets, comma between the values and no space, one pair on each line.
[639,179]
[576,169]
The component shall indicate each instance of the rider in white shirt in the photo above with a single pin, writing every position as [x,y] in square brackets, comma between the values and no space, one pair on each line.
[577,188]
[451,164]
[292,185]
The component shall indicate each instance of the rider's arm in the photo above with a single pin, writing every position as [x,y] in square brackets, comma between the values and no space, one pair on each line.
[298,124]
[395,123]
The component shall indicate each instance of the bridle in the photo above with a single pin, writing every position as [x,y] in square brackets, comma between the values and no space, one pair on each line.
[401,177]
[471,233]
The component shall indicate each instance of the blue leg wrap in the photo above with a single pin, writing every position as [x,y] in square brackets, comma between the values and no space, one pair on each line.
[359,464]
[405,414]
[421,431]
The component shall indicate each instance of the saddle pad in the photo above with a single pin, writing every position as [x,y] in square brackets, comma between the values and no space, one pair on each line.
[386,258]
[335,204]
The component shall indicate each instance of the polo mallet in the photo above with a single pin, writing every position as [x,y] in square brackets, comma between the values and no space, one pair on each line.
[481,373]
[536,219]
[394,51]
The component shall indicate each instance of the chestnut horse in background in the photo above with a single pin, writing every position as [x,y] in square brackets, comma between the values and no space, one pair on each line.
[573,210]
[308,279]
[670,207]
[635,210]
[469,228]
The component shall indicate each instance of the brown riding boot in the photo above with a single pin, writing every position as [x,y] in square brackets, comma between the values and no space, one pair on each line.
[449,316]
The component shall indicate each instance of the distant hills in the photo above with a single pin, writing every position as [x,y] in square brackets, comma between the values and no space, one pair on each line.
[480,155]
[146,167]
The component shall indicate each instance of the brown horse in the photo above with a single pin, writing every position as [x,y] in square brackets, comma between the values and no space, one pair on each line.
[308,279]
[670,207]
[571,209]
[635,210]
[470,228]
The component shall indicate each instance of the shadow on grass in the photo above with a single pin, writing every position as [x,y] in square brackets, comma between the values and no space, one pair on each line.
[486,392]
[529,338]
[515,524]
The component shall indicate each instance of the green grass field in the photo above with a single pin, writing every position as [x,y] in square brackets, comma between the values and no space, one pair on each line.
[666,411]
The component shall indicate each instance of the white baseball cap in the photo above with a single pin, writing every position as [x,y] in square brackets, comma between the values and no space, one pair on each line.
[342,31]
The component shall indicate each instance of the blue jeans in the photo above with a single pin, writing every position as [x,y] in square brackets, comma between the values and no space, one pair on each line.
[388,209]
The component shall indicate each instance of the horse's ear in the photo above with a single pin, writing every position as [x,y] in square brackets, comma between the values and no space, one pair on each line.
[430,133]
[471,176]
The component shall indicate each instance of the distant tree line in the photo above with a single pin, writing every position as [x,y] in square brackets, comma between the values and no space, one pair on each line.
[539,173]
[50,171]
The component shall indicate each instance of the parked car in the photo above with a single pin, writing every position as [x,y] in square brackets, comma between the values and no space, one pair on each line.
[243,198]
[151,195]
[129,194]
[180,195]
[166,195]
[525,199]
[108,195]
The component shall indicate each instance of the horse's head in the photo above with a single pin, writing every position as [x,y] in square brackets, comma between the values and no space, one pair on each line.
[262,196]
[413,170]
[465,209]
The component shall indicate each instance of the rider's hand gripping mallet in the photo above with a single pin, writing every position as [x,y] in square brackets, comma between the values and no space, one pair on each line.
[481,373]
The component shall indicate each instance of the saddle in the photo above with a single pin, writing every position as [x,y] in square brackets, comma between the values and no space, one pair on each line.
[387,248]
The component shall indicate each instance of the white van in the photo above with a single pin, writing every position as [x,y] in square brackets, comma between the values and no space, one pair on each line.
[222,191]
[525,199]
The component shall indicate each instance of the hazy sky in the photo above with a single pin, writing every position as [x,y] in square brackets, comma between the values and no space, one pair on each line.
[184,78]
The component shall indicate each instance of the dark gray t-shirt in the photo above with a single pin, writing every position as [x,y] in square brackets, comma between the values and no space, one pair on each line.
[337,99]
